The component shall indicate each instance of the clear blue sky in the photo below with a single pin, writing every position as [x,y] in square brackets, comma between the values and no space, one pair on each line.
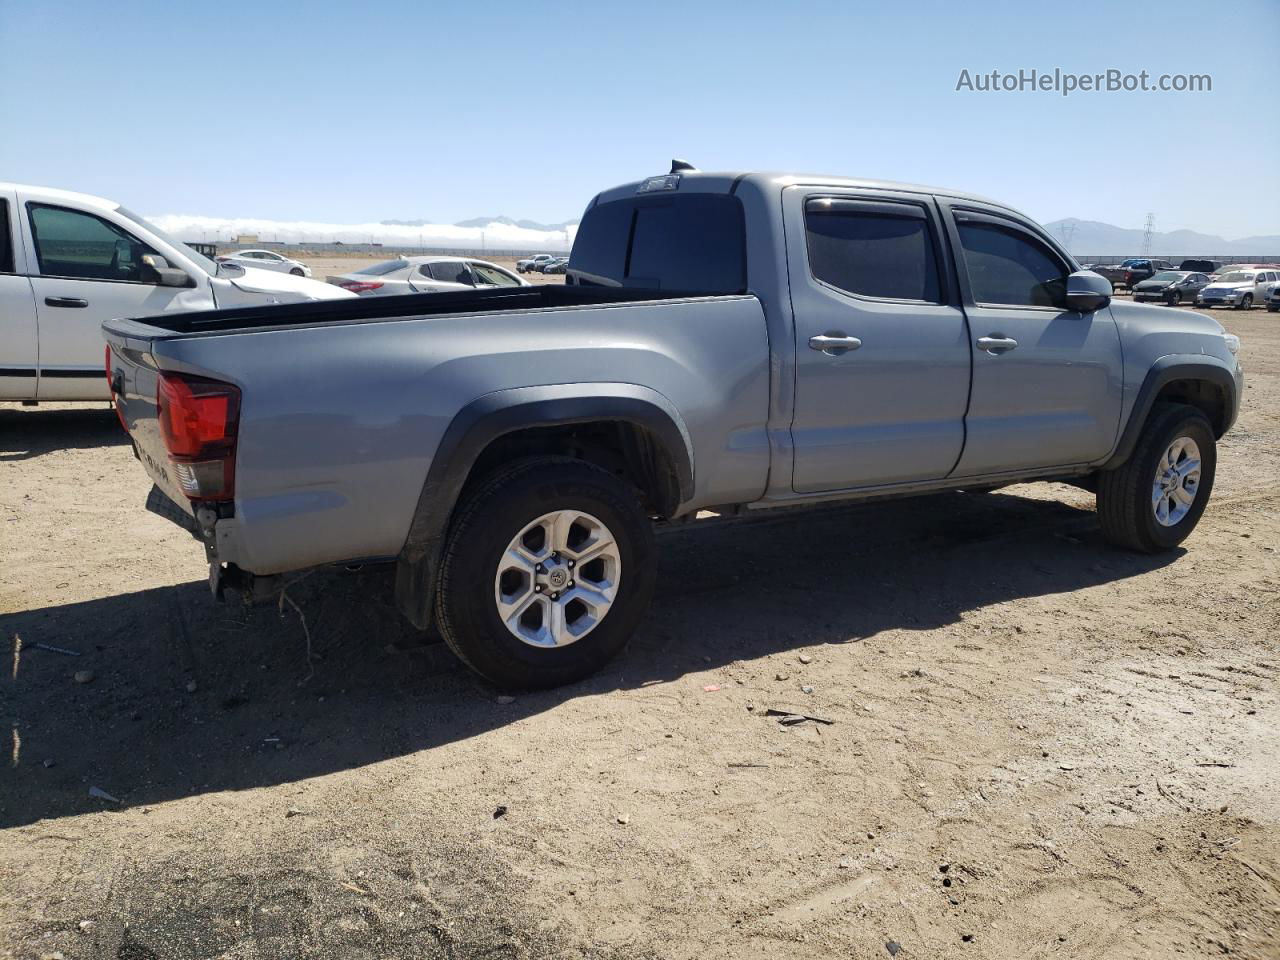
[448,110]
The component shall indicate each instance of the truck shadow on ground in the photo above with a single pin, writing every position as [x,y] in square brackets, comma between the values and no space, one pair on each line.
[189,697]
[29,433]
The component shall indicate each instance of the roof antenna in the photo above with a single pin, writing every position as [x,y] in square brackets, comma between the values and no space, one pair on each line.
[678,165]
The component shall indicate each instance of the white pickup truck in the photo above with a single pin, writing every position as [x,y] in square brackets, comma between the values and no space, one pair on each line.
[69,261]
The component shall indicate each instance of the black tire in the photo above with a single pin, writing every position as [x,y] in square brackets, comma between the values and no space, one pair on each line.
[490,516]
[1124,495]
[1271,309]
[1174,299]
[1246,302]
[296,271]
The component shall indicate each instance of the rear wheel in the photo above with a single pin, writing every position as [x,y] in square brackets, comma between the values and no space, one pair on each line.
[548,568]
[1156,498]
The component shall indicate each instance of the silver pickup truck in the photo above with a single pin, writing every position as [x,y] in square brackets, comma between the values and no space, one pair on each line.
[723,341]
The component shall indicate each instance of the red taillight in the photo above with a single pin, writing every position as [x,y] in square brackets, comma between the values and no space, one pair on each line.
[1128,276]
[198,421]
[115,398]
[356,286]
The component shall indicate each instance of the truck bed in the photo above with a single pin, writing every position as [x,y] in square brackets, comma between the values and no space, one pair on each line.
[416,305]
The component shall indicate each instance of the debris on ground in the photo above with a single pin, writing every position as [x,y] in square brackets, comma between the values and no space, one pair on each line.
[505,699]
[52,649]
[624,818]
[83,676]
[99,794]
[893,947]
[499,811]
[788,716]
[805,658]
[710,688]
[293,812]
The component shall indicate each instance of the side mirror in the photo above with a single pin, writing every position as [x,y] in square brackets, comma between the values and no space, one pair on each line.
[229,268]
[1088,291]
[155,269]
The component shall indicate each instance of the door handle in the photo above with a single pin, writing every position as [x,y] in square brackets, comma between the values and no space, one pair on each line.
[996,344]
[834,344]
[65,302]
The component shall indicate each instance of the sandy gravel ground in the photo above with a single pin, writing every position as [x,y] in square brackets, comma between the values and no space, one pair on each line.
[1040,747]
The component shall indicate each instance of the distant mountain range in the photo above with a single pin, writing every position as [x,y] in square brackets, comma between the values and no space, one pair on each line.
[1090,238]
[485,221]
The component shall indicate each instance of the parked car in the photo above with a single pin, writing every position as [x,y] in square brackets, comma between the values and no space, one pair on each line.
[1199,266]
[1139,270]
[69,261]
[511,450]
[533,263]
[1273,300]
[1171,287]
[425,275]
[1240,289]
[266,260]
[558,265]
[1116,272]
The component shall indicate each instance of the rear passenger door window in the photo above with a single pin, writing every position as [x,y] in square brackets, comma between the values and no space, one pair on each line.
[885,250]
[81,246]
[1009,267]
[450,272]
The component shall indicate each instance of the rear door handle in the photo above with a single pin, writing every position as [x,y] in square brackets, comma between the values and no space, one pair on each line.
[834,344]
[996,344]
[65,302]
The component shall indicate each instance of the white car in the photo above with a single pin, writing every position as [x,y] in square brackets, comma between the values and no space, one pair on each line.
[266,260]
[1240,289]
[426,275]
[69,261]
[535,262]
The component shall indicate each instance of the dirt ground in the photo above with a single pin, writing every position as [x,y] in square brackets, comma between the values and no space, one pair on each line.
[1039,747]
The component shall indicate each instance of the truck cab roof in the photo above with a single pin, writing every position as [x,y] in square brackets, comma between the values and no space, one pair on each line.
[732,181]
[54,195]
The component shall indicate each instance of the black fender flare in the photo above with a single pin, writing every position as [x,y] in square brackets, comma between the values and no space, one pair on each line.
[1164,371]
[489,417]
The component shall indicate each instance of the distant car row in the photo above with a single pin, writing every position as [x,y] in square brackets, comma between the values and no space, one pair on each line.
[1239,287]
[543,263]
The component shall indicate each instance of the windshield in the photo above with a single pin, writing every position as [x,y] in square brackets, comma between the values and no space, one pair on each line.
[199,259]
[1134,263]
[1236,276]
[381,269]
[1168,275]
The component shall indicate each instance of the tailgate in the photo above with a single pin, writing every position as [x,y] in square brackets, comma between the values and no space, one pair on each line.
[134,378]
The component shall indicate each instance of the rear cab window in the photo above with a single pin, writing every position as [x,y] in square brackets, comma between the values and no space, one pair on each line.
[690,243]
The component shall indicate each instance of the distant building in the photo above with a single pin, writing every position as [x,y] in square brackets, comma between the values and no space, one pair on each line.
[247,238]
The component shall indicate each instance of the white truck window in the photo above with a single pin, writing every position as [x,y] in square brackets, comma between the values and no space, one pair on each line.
[6,239]
[81,246]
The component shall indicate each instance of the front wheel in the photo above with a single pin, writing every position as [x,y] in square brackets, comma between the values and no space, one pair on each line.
[1246,302]
[296,271]
[1155,499]
[1174,299]
[547,570]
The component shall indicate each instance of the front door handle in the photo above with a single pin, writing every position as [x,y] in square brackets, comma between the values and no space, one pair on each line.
[65,302]
[996,344]
[833,344]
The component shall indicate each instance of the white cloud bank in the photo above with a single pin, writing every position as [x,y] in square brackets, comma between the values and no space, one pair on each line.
[495,236]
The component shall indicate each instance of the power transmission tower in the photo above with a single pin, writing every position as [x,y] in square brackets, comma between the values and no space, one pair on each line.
[1146,235]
